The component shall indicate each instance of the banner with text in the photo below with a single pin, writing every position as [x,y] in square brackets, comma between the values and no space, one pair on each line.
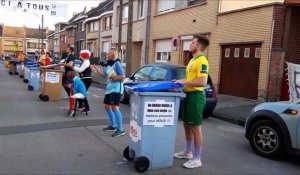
[36,7]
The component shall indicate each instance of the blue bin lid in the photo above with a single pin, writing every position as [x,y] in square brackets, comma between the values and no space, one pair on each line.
[156,86]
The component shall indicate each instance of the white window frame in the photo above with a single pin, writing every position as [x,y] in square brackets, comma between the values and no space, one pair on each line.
[106,45]
[82,27]
[163,50]
[91,26]
[247,53]
[108,23]
[96,26]
[125,14]
[236,52]
[141,9]
[163,57]
[165,6]
[227,52]
[258,52]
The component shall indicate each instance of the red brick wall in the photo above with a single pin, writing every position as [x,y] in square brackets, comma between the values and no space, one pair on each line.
[279,21]
[276,61]
[293,50]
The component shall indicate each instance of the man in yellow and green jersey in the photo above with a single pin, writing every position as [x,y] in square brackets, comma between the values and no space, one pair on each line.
[194,103]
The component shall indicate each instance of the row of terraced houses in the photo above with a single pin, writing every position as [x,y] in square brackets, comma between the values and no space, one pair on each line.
[249,40]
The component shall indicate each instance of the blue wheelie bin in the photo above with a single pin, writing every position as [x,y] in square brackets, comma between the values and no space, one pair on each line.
[28,65]
[34,79]
[18,67]
[153,123]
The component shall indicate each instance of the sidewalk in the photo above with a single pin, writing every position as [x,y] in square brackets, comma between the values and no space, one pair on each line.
[234,109]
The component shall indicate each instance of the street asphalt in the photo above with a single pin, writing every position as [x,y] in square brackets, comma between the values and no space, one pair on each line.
[37,138]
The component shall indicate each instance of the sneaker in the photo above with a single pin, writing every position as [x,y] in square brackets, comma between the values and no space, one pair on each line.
[70,113]
[118,133]
[110,128]
[80,108]
[183,155]
[86,110]
[192,163]
[67,98]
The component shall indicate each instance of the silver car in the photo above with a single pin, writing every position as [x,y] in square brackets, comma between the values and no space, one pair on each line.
[274,129]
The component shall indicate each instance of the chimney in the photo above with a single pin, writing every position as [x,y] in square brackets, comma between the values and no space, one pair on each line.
[84,10]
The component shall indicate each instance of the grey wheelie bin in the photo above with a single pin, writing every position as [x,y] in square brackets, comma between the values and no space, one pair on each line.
[153,123]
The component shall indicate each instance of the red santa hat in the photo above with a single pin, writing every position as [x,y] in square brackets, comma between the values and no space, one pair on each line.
[85,54]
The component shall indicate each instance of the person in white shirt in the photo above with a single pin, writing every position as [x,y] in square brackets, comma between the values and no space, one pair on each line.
[85,72]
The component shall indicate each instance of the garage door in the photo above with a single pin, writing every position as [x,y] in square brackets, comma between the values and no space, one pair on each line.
[240,70]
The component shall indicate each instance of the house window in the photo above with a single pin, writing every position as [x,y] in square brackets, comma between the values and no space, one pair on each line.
[106,46]
[96,26]
[257,52]
[31,45]
[90,47]
[141,8]
[71,32]
[108,23]
[164,6]
[227,52]
[125,14]
[80,27]
[81,44]
[195,2]
[56,43]
[247,53]
[236,52]
[65,39]
[91,27]
[163,50]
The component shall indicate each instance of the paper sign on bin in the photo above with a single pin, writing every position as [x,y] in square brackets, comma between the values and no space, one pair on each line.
[52,77]
[158,113]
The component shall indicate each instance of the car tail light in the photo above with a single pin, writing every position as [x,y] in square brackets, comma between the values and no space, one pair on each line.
[214,93]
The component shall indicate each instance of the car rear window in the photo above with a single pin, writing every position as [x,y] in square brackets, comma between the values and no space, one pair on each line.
[180,73]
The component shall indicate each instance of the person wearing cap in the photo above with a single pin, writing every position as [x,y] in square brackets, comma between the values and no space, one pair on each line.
[85,72]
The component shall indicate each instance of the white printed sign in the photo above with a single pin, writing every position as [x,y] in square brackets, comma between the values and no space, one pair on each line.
[158,113]
[52,77]
[35,75]
[135,131]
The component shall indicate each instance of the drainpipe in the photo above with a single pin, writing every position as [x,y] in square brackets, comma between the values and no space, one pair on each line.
[269,62]
[147,37]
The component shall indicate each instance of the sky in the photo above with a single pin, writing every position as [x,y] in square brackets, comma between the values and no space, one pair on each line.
[19,19]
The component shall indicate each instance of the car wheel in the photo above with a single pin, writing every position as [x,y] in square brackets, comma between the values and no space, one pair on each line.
[266,139]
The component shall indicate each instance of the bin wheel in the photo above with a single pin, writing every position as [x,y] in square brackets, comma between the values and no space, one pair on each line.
[21,76]
[10,73]
[126,154]
[30,88]
[25,80]
[142,164]
[17,73]
[41,96]
[45,98]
